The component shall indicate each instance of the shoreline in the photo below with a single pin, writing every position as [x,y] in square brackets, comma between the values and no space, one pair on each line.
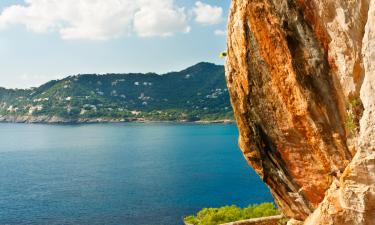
[61,121]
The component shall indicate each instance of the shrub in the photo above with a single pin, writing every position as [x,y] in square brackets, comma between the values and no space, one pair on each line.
[354,110]
[214,216]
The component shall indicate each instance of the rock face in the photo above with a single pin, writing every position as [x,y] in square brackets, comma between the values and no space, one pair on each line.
[271,220]
[301,76]
[351,200]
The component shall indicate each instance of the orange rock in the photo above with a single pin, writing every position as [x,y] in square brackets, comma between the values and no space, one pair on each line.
[292,70]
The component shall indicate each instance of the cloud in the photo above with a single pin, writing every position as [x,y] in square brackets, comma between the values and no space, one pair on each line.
[220,32]
[160,18]
[97,19]
[207,14]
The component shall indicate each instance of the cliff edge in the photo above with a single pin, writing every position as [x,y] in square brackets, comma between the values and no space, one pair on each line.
[301,77]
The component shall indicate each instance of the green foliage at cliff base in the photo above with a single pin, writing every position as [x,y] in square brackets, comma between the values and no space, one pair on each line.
[215,216]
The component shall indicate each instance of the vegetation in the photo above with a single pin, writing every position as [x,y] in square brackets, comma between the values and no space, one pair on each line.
[214,216]
[354,110]
[196,93]
[350,124]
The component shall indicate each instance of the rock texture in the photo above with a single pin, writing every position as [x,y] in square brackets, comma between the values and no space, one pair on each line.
[351,200]
[301,79]
[271,220]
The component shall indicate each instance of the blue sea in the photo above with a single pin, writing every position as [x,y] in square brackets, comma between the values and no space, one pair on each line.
[128,173]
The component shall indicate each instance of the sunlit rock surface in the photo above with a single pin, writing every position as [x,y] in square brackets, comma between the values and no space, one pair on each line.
[301,76]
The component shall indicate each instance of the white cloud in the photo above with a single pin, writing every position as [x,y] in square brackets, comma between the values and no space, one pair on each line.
[220,32]
[97,19]
[160,18]
[207,14]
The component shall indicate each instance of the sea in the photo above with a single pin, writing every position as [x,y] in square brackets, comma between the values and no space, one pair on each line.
[125,173]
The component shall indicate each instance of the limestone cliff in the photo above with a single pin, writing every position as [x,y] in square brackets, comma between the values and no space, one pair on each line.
[301,76]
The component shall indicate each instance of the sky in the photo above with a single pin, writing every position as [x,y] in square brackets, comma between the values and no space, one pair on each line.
[41,40]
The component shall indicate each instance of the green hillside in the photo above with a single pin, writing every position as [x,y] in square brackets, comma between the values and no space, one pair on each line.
[196,93]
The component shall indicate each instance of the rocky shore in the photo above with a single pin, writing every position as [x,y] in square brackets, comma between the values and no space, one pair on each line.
[60,120]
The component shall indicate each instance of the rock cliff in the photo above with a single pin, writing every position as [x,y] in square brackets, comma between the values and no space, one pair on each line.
[301,76]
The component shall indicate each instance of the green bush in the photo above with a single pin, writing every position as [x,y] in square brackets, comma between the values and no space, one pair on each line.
[354,110]
[214,216]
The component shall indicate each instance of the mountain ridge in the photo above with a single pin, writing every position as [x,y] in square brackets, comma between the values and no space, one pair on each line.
[196,93]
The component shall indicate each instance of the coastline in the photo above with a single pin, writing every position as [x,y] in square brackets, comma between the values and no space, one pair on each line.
[53,120]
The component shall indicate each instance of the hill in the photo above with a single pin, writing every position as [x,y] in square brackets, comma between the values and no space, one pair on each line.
[196,93]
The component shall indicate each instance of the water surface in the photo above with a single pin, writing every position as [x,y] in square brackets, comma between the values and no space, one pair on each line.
[121,173]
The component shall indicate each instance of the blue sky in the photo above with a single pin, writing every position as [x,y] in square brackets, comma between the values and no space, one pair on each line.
[40,41]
